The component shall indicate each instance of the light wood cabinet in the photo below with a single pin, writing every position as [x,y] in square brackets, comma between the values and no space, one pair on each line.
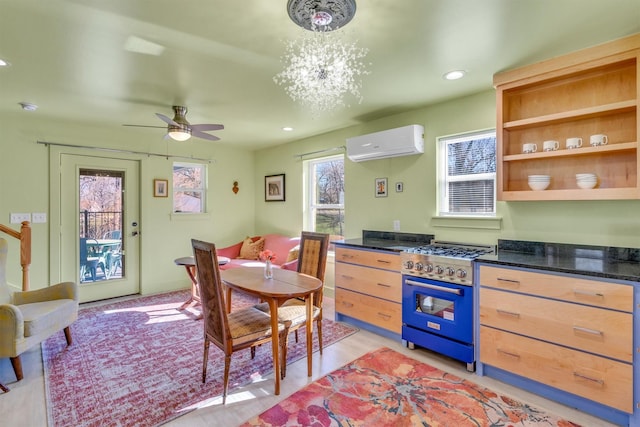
[571,333]
[369,287]
[592,91]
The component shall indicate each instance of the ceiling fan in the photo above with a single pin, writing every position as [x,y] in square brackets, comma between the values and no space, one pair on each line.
[180,129]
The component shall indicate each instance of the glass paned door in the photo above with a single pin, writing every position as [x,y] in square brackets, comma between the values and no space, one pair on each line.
[99,217]
[101,223]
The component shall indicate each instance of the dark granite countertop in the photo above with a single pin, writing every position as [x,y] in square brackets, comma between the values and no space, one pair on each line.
[387,240]
[598,261]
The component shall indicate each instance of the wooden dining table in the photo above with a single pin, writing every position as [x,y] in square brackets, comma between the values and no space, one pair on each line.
[284,285]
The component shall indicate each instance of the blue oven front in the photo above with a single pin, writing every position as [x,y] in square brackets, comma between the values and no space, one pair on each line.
[438,316]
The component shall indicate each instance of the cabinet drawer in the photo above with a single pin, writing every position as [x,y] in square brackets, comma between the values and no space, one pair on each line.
[579,290]
[377,283]
[597,378]
[378,312]
[377,259]
[596,330]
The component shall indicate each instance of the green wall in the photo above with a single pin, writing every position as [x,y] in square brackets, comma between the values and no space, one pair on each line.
[24,187]
[614,223]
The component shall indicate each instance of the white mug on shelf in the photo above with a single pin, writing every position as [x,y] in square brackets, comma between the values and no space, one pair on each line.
[550,145]
[599,139]
[574,142]
[529,147]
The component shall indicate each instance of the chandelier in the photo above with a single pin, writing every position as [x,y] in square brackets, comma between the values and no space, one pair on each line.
[321,68]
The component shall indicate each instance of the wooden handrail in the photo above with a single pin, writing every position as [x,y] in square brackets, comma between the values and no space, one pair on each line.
[25,248]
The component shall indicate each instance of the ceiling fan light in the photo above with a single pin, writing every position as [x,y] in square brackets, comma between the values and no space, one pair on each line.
[179,134]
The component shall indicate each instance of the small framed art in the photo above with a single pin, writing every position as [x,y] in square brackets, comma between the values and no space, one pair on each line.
[274,188]
[160,188]
[381,187]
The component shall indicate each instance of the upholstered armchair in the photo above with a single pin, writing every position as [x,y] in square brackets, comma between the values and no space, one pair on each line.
[28,318]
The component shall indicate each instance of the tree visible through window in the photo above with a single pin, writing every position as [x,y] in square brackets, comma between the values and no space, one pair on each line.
[189,187]
[325,195]
[467,174]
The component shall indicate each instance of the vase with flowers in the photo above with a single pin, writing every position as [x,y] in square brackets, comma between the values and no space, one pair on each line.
[268,257]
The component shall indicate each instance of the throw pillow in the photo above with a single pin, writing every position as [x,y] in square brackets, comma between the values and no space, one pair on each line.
[293,253]
[251,249]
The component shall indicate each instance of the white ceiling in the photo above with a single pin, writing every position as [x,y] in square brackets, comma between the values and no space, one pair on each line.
[220,57]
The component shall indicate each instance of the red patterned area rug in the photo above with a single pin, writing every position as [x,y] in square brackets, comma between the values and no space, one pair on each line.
[139,363]
[386,388]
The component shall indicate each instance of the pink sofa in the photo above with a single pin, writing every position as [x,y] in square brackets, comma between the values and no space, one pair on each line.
[278,244]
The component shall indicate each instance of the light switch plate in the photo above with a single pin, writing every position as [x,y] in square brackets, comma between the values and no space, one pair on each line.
[38,217]
[17,218]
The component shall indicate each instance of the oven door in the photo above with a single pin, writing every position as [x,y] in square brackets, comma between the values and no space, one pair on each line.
[441,308]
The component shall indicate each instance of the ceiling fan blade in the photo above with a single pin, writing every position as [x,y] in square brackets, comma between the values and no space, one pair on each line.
[203,135]
[166,119]
[145,126]
[204,127]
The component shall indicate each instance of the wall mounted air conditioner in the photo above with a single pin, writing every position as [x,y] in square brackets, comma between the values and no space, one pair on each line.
[403,141]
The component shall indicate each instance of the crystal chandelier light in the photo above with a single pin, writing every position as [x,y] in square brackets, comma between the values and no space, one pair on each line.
[321,67]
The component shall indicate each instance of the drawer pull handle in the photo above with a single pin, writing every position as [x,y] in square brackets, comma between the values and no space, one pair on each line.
[347,256]
[384,285]
[348,304]
[588,293]
[347,277]
[588,331]
[509,281]
[508,313]
[383,261]
[585,377]
[508,353]
[384,316]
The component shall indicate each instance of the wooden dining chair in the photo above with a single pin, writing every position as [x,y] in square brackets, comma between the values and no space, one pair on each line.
[240,329]
[312,260]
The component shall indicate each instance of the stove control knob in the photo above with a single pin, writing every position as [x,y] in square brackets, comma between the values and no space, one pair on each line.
[419,266]
[439,270]
[408,265]
[461,273]
[428,268]
[451,271]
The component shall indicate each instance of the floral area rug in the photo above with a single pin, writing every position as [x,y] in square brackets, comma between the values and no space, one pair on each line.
[386,388]
[139,363]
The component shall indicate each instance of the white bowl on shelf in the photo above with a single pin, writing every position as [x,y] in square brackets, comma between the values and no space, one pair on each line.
[539,182]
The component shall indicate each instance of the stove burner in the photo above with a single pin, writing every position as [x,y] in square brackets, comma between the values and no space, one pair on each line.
[454,252]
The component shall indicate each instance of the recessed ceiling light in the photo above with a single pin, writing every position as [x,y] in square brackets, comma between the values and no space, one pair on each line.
[454,75]
[27,106]
[287,129]
[4,63]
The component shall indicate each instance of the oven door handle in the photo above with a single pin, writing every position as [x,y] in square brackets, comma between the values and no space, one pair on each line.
[434,287]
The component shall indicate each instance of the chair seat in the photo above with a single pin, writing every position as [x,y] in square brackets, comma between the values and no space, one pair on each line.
[249,324]
[292,312]
[42,316]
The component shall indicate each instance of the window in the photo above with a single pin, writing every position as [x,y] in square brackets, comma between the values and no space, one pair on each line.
[325,195]
[189,187]
[467,174]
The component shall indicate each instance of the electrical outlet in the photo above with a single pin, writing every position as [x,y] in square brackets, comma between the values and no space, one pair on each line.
[396,225]
[17,218]
[39,217]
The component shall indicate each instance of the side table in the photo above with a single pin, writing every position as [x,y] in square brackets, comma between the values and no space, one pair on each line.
[190,266]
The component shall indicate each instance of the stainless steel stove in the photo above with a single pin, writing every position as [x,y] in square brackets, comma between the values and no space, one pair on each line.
[446,261]
[437,298]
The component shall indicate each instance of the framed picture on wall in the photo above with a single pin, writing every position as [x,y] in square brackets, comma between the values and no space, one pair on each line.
[274,188]
[160,188]
[381,187]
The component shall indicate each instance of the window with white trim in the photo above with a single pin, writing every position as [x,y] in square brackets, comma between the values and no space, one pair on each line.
[325,195]
[189,187]
[467,174]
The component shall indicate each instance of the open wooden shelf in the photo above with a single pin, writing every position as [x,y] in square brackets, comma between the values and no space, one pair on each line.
[593,91]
